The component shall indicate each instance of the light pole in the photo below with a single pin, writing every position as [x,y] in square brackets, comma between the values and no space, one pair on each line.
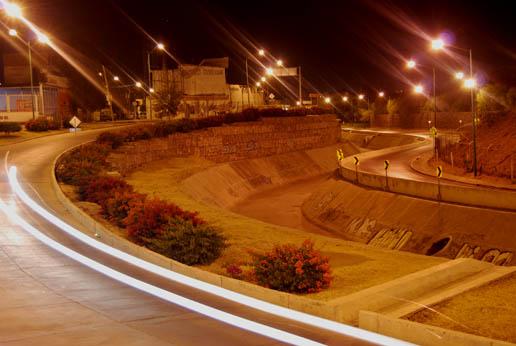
[42,39]
[159,46]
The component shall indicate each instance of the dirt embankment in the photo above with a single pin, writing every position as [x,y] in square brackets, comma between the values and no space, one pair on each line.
[496,145]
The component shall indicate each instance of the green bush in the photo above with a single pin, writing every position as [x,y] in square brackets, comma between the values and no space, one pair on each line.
[9,126]
[41,124]
[188,244]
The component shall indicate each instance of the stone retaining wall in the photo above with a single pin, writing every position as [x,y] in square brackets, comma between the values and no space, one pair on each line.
[269,136]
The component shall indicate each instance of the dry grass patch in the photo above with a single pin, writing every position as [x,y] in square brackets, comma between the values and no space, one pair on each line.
[487,311]
[355,266]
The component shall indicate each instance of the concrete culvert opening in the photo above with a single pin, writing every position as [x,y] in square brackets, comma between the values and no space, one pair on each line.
[438,246]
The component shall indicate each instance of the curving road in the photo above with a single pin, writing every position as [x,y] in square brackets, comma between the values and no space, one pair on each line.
[49,299]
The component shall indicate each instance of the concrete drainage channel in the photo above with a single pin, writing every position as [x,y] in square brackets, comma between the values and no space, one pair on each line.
[377,308]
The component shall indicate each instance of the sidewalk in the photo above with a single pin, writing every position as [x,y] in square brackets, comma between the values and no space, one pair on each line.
[25,135]
[421,165]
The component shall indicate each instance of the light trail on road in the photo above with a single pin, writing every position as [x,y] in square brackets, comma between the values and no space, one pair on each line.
[276,310]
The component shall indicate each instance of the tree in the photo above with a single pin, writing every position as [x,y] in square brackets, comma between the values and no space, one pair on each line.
[393,106]
[168,100]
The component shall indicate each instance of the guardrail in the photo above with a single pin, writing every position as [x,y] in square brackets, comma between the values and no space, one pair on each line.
[473,196]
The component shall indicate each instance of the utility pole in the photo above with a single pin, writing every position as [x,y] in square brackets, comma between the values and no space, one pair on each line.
[473,114]
[108,95]
[31,79]
[300,86]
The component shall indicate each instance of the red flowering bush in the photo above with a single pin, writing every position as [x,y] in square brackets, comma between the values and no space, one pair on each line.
[100,188]
[83,163]
[293,269]
[147,219]
[117,207]
[41,124]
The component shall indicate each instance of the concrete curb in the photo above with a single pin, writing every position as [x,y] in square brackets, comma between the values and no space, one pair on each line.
[344,309]
[495,199]
[454,178]
[422,334]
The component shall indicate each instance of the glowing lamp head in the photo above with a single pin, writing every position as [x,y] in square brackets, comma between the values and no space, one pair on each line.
[361,96]
[279,62]
[437,44]
[42,38]
[261,52]
[411,64]
[100,74]
[298,103]
[381,94]
[345,98]
[138,84]
[13,32]
[327,100]
[269,71]
[258,84]
[264,79]
[470,83]
[418,89]
[116,79]
[160,46]
[459,75]
[13,10]
[151,90]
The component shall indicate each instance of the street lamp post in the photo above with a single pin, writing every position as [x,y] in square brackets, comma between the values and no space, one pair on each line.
[159,46]
[473,112]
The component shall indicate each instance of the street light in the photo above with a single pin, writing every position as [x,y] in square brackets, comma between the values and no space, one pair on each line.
[418,89]
[151,90]
[43,38]
[345,98]
[258,84]
[13,10]
[279,62]
[269,71]
[100,74]
[327,100]
[261,52]
[159,46]
[470,83]
[13,32]
[381,94]
[361,97]
[298,103]
[411,64]
[116,78]
[459,75]
[264,79]
[138,84]
[437,44]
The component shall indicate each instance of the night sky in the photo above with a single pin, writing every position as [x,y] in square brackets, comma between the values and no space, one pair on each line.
[341,45]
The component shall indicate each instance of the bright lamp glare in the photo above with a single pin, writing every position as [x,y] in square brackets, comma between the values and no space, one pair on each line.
[411,64]
[160,46]
[298,103]
[470,83]
[361,97]
[418,89]
[264,79]
[437,44]
[43,39]
[345,98]
[13,32]
[459,75]
[12,10]
[151,90]
[279,62]
[269,71]
[327,100]
[261,52]
[138,84]
[258,84]
[381,94]
[116,78]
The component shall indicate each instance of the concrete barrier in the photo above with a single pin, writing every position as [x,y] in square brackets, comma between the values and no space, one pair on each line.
[421,334]
[490,198]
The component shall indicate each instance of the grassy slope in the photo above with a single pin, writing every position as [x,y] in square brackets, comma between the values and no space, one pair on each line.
[355,266]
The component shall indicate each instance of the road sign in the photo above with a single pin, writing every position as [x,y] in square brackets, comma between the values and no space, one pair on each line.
[439,171]
[433,131]
[386,164]
[357,161]
[75,122]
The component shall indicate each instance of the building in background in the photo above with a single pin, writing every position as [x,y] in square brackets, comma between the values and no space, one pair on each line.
[204,89]
[51,89]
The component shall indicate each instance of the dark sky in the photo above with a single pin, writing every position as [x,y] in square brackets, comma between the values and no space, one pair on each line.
[340,45]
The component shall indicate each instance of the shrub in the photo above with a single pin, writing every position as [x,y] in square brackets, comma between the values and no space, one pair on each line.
[100,188]
[114,139]
[188,244]
[83,163]
[41,124]
[117,207]
[9,126]
[147,219]
[293,269]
